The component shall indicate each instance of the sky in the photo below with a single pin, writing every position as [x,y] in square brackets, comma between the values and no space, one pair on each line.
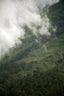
[15,14]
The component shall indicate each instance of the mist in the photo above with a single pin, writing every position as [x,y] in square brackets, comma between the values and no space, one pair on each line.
[15,14]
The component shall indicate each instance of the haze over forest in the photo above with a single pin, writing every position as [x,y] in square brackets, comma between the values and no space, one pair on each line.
[31,47]
[15,14]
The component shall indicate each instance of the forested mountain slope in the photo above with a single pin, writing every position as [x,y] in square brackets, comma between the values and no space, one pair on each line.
[40,59]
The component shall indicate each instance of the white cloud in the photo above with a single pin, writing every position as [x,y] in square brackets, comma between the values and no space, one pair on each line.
[14,14]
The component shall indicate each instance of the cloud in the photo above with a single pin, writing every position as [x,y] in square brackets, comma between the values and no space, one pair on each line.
[14,14]
[43,3]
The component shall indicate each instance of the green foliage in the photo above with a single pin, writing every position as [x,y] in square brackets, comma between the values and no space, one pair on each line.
[40,84]
[36,67]
[56,15]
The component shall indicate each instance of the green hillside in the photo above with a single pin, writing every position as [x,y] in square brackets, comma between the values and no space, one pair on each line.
[36,67]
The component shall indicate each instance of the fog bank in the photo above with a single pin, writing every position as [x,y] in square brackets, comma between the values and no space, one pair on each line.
[14,14]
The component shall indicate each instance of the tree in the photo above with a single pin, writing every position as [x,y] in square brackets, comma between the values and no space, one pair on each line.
[62,1]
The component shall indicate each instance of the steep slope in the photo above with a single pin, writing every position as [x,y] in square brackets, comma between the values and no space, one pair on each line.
[35,55]
[40,49]
[40,84]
